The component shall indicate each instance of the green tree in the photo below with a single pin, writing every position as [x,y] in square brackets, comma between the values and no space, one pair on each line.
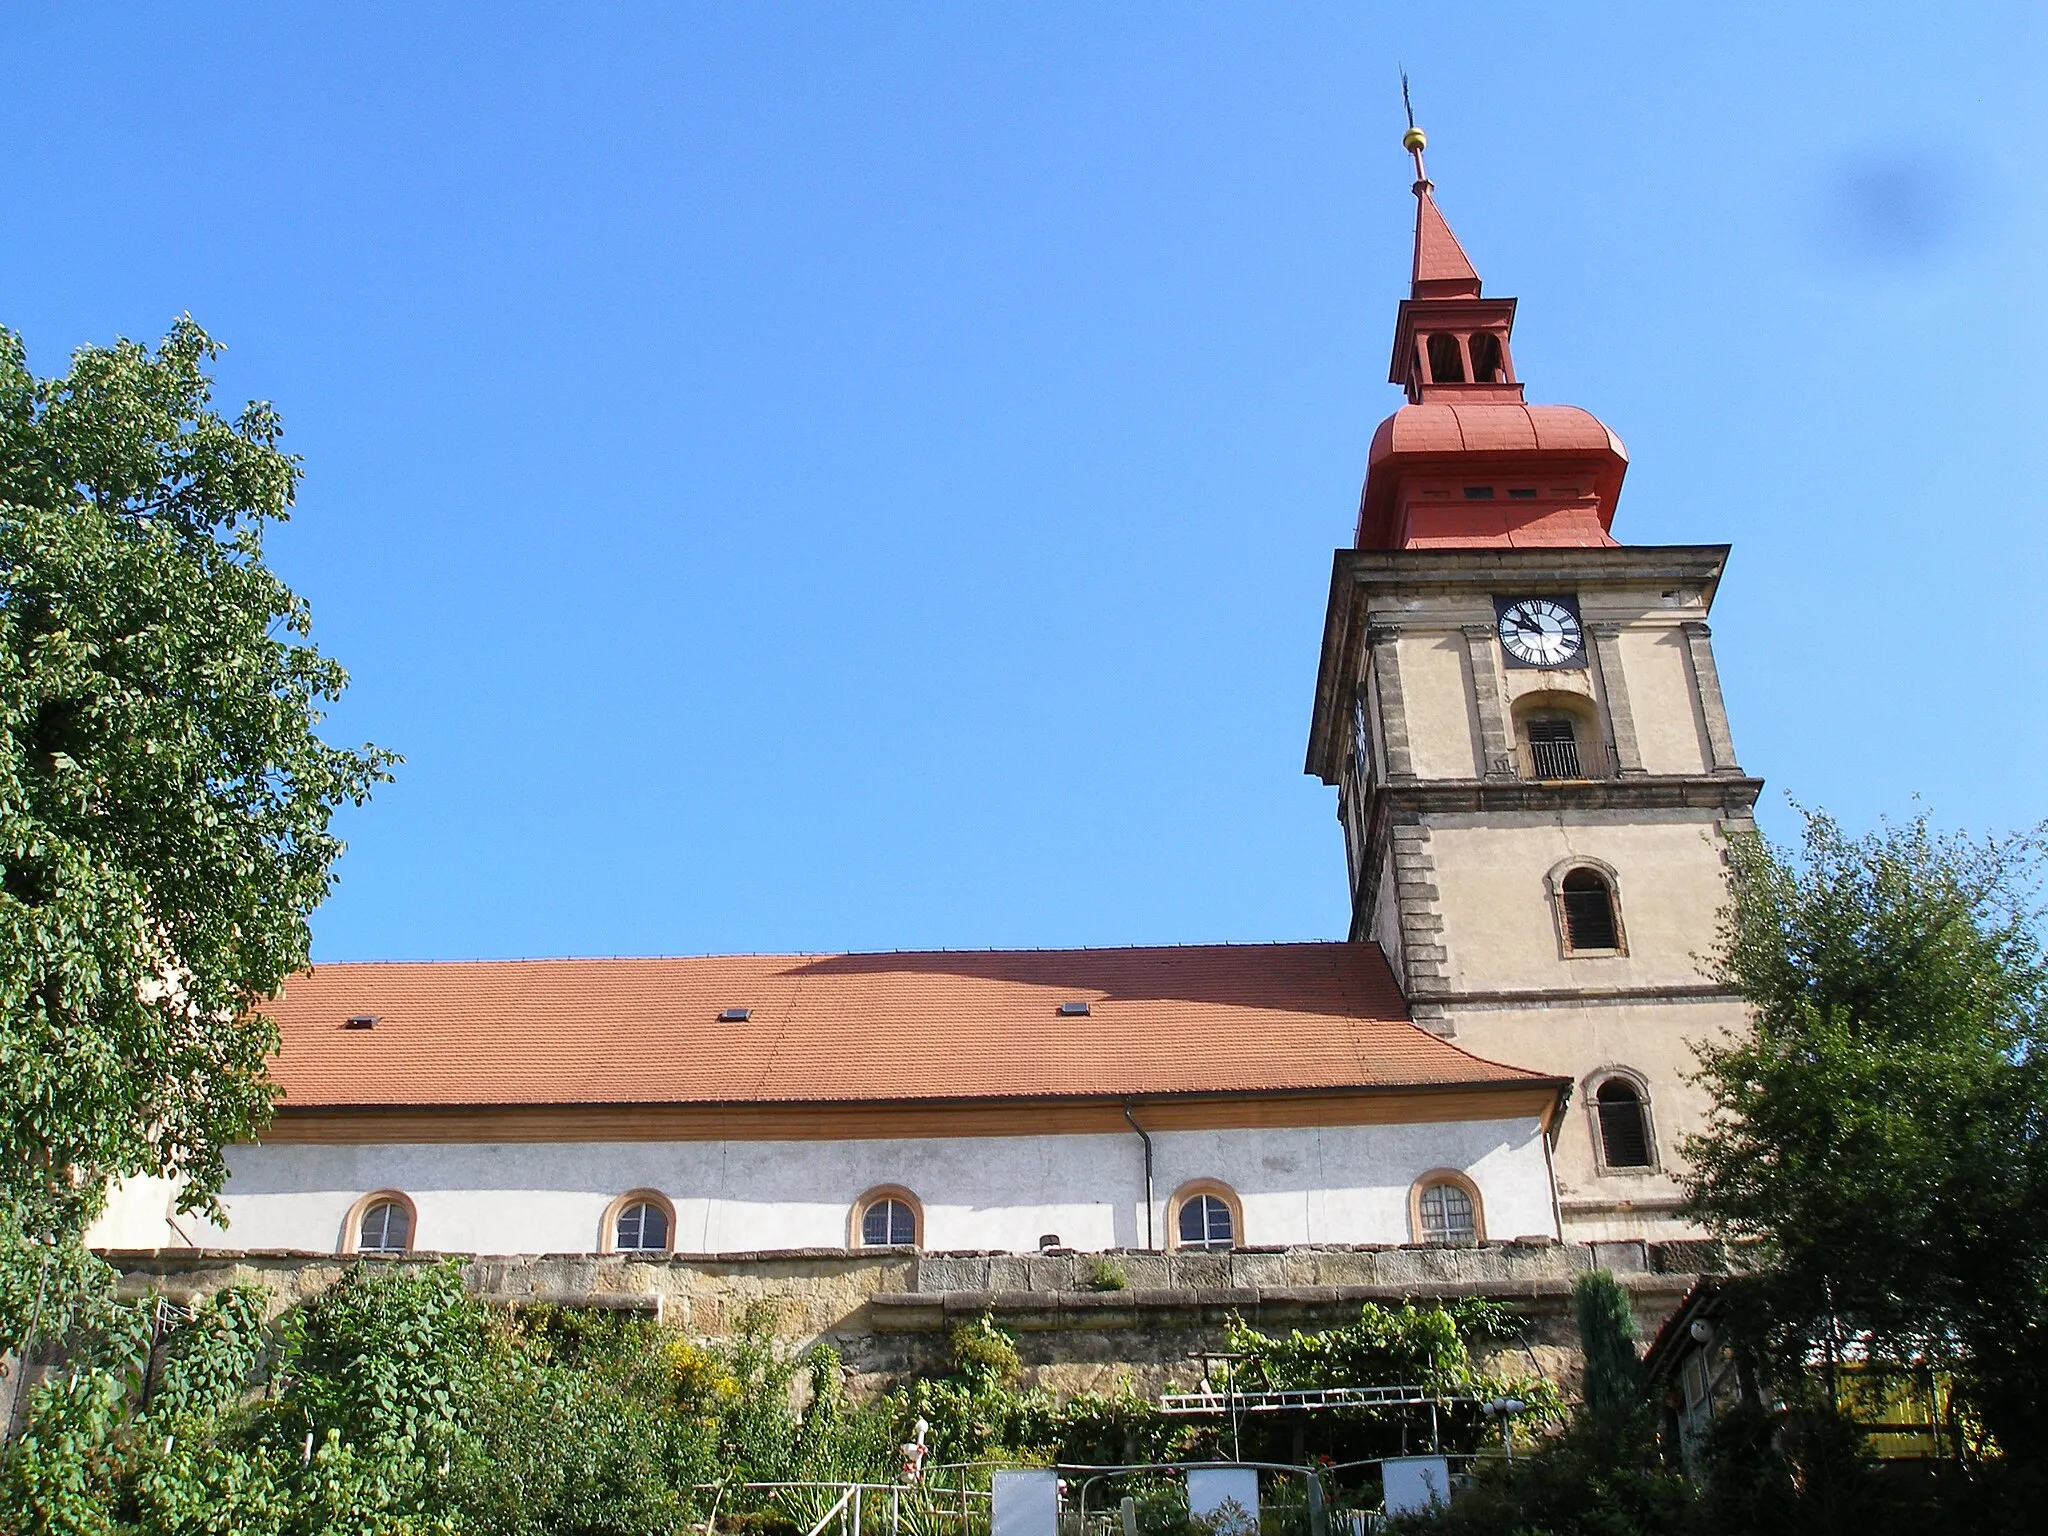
[1883,1132]
[1607,1337]
[165,797]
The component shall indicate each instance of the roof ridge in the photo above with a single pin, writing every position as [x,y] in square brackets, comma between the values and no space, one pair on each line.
[853,954]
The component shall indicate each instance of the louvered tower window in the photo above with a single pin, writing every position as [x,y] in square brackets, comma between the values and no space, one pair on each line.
[1589,918]
[1624,1128]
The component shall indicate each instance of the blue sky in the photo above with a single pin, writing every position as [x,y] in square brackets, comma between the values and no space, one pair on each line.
[817,477]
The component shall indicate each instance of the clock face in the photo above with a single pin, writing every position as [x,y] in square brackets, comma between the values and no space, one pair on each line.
[1540,631]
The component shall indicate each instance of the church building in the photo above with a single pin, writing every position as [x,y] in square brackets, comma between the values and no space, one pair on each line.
[1535,779]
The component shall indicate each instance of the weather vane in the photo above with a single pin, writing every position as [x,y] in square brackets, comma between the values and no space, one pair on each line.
[1414,139]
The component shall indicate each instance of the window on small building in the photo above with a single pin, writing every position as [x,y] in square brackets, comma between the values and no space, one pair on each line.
[1486,359]
[888,1223]
[1586,900]
[1553,747]
[1446,1214]
[1446,362]
[642,1227]
[1206,1224]
[1624,1124]
[386,1227]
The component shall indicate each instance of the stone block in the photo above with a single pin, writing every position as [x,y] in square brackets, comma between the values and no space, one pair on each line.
[1146,1271]
[1009,1272]
[952,1274]
[1258,1269]
[1195,1270]
[1631,1257]
[1050,1272]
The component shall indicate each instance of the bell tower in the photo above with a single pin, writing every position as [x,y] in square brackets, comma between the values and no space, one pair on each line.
[1523,723]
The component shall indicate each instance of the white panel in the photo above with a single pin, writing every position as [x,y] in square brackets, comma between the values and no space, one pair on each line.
[1226,1499]
[1416,1484]
[1025,1504]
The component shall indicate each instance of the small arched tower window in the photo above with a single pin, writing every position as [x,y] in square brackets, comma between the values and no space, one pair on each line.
[1624,1124]
[386,1227]
[1446,361]
[642,1227]
[887,1218]
[1445,1212]
[1486,359]
[1586,910]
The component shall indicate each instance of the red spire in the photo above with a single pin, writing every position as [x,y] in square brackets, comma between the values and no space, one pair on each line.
[1466,464]
[1442,269]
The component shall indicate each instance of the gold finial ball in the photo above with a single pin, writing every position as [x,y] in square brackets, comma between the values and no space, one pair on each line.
[1414,139]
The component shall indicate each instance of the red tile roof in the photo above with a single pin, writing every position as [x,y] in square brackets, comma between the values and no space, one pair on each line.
[949,1025]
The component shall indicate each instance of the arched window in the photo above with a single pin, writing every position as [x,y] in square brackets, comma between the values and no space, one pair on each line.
[888,1218]
[385,1226]
[1486,365]
[639,1221]
[1204,1217]
[642,1227]
[1624,1124]
[1586,911]
[1446,1209]
[1205,1224]
[1446,362]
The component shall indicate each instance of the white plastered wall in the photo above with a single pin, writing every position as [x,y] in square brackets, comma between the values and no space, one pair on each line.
[1327,1184]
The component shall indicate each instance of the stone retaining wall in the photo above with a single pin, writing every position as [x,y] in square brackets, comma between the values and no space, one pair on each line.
[890,1313]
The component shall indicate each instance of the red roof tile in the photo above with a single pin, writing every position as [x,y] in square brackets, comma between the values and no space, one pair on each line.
[947,1025]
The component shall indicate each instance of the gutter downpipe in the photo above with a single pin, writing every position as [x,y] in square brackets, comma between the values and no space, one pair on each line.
[1564,1101]
[1150,1245]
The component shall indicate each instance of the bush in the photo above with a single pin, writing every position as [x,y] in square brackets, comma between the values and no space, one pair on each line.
[982,1352]
[1107,1275]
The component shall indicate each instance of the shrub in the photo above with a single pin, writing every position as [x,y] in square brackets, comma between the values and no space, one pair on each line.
[1107,1275]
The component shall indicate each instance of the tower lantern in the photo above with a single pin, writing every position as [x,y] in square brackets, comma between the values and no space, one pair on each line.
[1551,473]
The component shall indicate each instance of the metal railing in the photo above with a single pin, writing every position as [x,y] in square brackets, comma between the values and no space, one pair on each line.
[1312,1397]
[1554,757]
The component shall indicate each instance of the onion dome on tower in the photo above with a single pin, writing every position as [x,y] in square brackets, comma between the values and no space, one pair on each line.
[1466,464]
